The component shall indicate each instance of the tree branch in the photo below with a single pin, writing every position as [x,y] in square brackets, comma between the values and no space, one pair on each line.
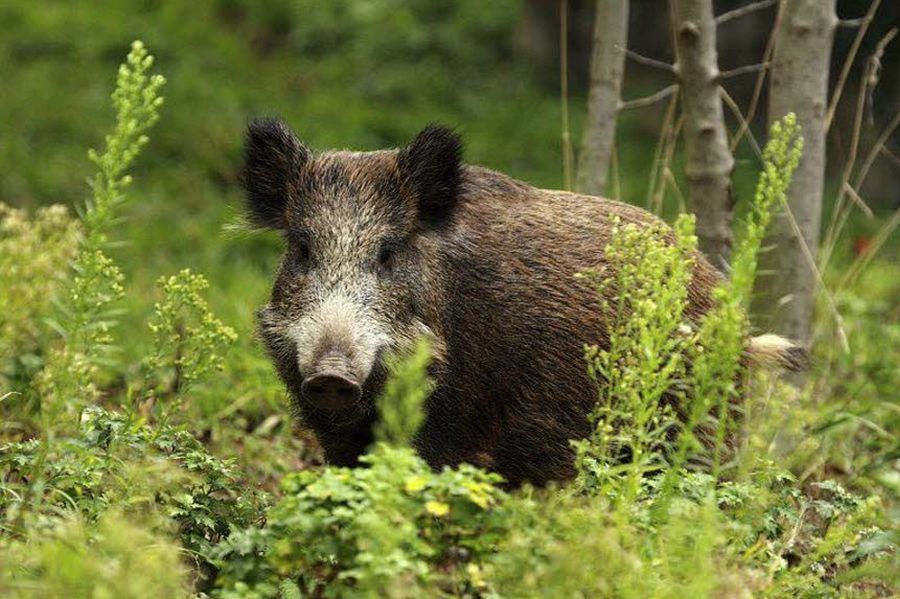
[737,13]
[750,68]
[890,156]
[850,23]
[880,144]
[736,111]
[854,195]
[647,61]
[649,100]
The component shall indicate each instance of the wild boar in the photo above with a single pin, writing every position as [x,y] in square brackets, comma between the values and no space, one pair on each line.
[386,246]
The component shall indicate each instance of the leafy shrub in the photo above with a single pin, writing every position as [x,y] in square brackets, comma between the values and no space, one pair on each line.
[115,460]
[187,337]
[81,471]
[116,557]
[31,252]
[579,547]
[392,527]
[639,374]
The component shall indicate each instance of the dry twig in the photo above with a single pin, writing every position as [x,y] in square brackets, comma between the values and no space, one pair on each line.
[744,11]
[750,68]
[649,100]
[647,61]
[758,86]
[851,56]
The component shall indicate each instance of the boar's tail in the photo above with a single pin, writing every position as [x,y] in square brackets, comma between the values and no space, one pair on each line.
[774,351]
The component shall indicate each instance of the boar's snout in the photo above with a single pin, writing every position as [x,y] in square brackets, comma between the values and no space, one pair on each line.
[332,385]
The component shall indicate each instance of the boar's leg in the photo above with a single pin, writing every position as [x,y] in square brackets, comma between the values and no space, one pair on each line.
[342,441]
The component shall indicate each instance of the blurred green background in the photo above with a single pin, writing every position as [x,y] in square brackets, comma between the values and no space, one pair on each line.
[344,73]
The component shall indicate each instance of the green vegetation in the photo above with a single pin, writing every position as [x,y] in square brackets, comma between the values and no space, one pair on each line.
[143,445]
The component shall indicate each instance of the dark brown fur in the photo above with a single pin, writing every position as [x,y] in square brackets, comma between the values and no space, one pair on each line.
[489,267]
[517,320]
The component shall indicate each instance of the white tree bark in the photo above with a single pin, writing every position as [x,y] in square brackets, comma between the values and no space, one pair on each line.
[607,69]
[709,162]
[799,84]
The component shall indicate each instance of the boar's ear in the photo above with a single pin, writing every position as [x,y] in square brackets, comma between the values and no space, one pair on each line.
[431,165]
[273,159]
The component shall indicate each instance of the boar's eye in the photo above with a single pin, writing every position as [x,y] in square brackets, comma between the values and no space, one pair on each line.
[298,253]
[303,250]
[386,257]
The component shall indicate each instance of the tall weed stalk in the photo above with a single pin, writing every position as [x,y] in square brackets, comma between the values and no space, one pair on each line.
[69,379]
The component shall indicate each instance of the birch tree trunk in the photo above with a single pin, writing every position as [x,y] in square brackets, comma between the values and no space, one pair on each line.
[799,84]
[607,69]
[709,162]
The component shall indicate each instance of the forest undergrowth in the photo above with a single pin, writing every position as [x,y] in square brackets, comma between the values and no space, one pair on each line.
[755,488]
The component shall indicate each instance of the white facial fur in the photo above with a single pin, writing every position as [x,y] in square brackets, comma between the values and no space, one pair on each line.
[341,324]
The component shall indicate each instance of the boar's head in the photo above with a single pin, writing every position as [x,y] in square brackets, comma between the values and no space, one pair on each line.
[361,274]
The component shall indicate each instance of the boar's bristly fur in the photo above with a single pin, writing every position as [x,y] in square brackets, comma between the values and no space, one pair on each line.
[386,246]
